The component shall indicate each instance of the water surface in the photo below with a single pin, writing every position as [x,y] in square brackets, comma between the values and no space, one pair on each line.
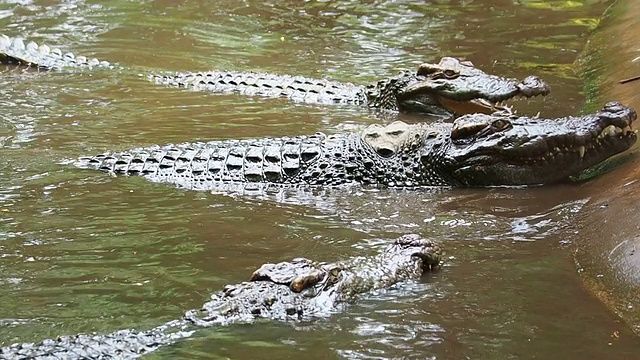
[82,252]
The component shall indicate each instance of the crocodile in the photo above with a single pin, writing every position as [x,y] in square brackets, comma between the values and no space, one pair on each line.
[297,290]
[474,150]
[449,88]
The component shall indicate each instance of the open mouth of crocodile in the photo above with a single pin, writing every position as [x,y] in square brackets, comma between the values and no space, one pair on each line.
[427,100]
[475,106]
[610,140]
[499,150]
[566,153]
[462,99]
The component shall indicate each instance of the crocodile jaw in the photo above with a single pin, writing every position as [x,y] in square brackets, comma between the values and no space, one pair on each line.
[464,95]
[541,151]
[474,106]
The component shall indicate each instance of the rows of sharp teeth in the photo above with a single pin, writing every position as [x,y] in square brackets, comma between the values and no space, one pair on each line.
[613,130]
[556,150]
[503,106]
[609,131]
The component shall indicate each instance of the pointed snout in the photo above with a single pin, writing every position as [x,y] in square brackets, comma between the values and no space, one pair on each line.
[533,86]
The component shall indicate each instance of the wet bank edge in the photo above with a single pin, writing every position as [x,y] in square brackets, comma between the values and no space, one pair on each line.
[606,235]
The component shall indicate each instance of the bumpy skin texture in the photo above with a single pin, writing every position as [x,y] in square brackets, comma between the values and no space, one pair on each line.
[421,91]
[475,150]
[15,52]
[122,344]
[446,89]
[339,283]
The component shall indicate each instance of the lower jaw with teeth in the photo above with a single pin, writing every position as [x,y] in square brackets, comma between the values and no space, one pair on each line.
[613,130]
[610,131]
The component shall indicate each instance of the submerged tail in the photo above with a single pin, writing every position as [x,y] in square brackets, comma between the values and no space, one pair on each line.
[13,51]
[121,344]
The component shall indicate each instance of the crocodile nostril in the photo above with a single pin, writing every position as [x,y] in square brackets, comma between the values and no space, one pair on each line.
[385,152]
[533,86]
[614,106]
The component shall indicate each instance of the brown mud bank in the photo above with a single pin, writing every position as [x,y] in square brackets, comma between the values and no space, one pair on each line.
[606,235]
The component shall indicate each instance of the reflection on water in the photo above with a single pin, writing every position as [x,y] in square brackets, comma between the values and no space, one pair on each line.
[81,251]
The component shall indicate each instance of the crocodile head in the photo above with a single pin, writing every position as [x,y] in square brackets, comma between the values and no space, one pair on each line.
[302,288]
[485,150]
[452,87]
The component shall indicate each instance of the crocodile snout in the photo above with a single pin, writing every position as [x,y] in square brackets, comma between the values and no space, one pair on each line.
[619,110]
[533,86]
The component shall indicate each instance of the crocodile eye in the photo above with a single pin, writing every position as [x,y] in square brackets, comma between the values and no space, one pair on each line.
[396,132]
[373,135]
[335,275]
[450,74]
[500,124]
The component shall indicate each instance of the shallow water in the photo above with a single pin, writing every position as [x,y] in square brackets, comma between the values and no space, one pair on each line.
[82,252]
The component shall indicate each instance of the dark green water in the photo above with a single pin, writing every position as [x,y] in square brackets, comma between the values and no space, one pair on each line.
[82,252]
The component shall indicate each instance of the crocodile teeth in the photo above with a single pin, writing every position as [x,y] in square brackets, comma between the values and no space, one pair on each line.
[581,151]
[615,131]
[611,131]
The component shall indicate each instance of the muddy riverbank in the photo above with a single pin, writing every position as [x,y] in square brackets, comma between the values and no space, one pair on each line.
[607,232]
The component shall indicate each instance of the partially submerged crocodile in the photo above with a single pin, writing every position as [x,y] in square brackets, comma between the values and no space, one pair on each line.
[474,150]
[289,291]
[446,89]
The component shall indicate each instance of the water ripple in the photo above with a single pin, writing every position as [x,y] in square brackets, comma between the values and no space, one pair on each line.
[82,251]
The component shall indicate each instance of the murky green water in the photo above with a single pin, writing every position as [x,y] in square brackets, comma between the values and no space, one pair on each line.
[82,252]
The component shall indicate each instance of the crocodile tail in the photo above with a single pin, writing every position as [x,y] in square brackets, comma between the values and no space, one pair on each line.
[13,51]
[137,162]
[296,88]
[121,344]
[204,166]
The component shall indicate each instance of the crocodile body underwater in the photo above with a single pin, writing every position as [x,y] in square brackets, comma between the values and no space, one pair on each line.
[297,290]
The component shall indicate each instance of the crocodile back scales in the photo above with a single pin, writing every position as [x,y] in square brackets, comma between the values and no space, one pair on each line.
[14,51]
[304,160]
[296,88]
